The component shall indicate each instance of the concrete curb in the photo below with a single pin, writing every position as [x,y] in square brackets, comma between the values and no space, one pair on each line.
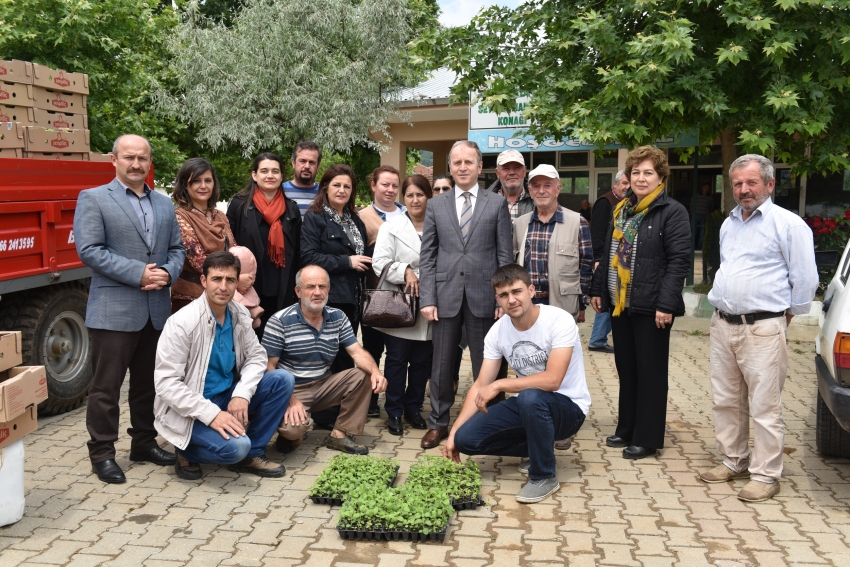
[697,305]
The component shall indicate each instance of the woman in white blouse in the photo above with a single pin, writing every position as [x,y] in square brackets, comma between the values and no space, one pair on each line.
[408,360]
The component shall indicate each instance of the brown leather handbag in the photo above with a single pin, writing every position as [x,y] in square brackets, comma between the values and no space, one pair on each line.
[391,309]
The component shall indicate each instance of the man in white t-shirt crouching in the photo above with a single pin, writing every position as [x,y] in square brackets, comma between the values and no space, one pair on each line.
[541,343]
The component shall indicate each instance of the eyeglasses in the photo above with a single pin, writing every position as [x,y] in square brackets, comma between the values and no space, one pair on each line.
[441,188]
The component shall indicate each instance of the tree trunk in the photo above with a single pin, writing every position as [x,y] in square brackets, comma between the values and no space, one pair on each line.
[728,152]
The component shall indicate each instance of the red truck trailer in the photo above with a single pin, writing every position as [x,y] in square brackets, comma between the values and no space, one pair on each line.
[43,283]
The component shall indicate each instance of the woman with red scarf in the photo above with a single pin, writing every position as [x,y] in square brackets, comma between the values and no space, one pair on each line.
[268,223]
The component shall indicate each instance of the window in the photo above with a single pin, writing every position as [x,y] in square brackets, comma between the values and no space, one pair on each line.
[573,159]
[605,159]
[540,158]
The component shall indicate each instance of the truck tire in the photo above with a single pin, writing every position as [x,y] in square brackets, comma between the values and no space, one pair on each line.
[52,325]
[830,438]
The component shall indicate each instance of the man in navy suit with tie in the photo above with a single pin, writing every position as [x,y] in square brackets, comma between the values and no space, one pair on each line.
[128,235]
[466,238]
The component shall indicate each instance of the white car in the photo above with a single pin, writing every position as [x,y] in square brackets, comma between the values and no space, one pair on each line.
[832,360]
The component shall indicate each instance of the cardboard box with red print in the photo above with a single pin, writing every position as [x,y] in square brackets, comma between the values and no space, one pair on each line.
[44,76]
[57,100]
[52,140]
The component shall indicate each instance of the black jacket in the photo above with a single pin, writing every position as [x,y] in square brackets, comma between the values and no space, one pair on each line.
[245,220]
[662,262]
[325,244]
[602,210]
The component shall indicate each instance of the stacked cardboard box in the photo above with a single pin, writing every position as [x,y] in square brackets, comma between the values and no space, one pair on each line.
[43,112]
[22,388]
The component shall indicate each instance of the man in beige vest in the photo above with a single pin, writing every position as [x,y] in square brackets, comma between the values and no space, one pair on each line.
[554,245]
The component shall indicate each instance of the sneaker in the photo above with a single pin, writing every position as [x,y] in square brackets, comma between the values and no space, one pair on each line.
[186,470]
[537,490]
[722,473]
[756,491]
[346,445]
[564,444]
[284,445]
[259,466]
[524,465]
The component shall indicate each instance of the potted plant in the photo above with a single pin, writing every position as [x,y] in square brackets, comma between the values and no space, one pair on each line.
[462,482]
[344,473]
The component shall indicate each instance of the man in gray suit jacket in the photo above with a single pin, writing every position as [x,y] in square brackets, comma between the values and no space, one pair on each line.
[466,238]
[128,235]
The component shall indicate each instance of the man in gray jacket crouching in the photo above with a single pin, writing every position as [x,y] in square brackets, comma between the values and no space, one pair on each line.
[215,401]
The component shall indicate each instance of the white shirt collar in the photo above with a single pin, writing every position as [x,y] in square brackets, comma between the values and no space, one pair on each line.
[459,192]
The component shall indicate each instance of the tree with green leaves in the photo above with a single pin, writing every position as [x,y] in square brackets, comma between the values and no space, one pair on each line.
[762,76]
[287,70]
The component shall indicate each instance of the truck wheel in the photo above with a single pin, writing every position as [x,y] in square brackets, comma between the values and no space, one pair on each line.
[830,438]
[52,324]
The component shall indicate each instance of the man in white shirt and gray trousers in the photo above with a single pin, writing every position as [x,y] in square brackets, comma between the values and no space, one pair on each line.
[767,275]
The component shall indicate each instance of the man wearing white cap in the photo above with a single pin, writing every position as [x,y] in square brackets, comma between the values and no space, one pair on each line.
[510,170]
[552,240]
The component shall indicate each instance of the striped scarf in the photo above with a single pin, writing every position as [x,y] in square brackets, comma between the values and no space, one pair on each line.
[628,215]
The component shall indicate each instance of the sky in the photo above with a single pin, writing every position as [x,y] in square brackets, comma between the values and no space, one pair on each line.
[460,12]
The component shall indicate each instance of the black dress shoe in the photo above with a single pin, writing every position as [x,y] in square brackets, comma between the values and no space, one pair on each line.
[415,420]
[157,456]
[374,410]
[634,452]
[607,349]
[187,470]
[394,425]
[109,471]
[615,441]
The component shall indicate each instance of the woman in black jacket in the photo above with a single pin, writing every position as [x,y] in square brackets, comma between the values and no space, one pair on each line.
[334,237]
[273,236]
[640,280]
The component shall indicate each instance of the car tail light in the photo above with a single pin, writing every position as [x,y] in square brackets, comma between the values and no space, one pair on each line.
[841,353]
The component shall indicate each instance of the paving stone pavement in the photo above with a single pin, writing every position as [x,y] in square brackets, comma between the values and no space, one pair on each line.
[609,511]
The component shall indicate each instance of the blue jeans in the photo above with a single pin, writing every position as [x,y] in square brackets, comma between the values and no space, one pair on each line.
[601,328]
[526,425]
[264,413]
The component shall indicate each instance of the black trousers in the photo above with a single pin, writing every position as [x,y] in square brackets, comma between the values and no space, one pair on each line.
[373,342]
[343,360]
[407,370]
[113,353]
[641,356]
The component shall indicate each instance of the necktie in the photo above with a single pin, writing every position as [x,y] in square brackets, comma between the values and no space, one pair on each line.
[465,215]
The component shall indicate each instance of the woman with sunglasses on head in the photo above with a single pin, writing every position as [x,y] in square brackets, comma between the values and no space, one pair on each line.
[268,223]
[203,227]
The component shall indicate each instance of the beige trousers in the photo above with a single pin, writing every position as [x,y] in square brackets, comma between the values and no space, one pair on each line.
[350,389]
[748,368]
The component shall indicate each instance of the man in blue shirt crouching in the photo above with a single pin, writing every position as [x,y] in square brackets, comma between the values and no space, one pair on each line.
[215,401]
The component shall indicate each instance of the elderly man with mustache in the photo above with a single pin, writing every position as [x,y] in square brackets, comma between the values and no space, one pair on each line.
[767,275]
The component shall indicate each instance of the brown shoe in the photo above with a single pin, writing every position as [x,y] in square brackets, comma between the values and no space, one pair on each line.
[564,444]
[722,473]
[259,466]
[756,491]
[433,438]
[284,445]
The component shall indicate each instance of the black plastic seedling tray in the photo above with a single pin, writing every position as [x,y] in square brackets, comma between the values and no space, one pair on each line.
[394,535]
[338,501]
[467,504]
